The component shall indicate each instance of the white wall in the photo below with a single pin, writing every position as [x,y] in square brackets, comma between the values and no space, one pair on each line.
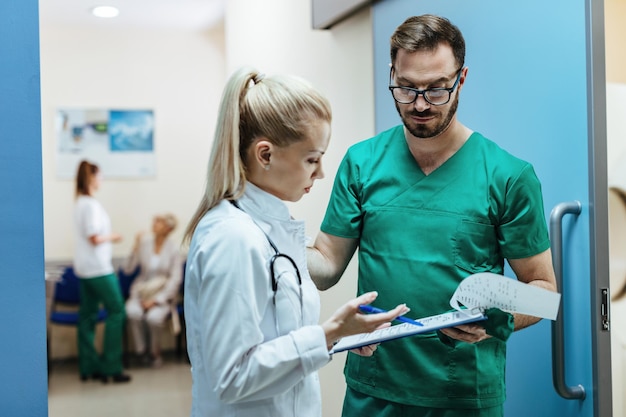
[178,74]
[616,134]
[276,37]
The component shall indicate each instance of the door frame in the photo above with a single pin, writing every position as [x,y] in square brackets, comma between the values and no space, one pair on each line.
[598,207]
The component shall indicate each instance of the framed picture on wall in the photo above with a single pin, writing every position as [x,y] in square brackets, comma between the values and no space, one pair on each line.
[121,142]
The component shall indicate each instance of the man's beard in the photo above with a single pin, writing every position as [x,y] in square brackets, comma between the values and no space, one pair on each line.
[422,130]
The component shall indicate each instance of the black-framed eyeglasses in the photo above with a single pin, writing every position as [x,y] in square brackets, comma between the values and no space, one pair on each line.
[435,96]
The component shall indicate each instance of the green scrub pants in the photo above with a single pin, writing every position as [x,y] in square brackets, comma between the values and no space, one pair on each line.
[358,405]
[103,290]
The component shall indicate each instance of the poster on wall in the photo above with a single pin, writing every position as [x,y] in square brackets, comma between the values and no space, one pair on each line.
[120,142]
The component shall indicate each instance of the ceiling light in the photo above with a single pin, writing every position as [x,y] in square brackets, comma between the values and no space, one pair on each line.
[105,11]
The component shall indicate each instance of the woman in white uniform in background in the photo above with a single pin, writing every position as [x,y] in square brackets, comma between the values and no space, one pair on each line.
[98,282]
[251,309]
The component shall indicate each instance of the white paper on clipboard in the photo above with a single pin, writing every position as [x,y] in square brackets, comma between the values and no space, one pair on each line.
[430,324]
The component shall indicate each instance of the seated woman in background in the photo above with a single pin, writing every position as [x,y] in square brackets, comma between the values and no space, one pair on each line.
[153,292]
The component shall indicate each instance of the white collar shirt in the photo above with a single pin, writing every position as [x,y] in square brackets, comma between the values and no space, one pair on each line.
[91,219]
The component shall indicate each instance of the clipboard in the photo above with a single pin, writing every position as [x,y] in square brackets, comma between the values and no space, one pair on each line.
[474,295]
[430,324]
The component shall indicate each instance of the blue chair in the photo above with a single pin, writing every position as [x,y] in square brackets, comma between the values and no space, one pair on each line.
[66,302]
[67,293]
[126,280]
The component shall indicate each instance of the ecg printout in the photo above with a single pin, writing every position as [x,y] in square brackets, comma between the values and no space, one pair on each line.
[476,293]
[486,290]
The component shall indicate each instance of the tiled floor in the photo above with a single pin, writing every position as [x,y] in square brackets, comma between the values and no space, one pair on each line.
[162,392]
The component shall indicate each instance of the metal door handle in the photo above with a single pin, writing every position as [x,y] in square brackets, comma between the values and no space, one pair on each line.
[558,338]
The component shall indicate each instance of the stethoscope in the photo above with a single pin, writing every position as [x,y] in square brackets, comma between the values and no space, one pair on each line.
[276,256]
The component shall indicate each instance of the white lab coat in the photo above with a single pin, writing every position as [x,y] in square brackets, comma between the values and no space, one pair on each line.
[250,357]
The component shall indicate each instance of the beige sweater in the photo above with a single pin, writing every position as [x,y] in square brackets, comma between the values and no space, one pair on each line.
[169,264]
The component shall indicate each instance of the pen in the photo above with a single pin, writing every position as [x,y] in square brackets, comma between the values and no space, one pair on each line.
[370,309]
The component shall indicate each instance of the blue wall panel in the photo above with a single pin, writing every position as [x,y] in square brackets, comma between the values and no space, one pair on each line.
[23,375]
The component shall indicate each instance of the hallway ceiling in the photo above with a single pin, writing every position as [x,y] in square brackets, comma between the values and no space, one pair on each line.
[174,14]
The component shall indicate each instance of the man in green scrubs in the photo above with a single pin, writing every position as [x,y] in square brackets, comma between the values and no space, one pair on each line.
[428,203]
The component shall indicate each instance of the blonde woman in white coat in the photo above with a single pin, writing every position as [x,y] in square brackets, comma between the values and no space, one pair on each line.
[153,292]
[251,309]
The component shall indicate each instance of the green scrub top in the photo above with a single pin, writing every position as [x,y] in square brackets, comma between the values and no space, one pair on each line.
[419,236]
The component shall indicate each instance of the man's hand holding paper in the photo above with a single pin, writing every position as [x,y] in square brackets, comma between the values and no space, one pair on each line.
[498,296]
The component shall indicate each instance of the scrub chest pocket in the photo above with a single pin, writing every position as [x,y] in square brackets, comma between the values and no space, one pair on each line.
[476,247]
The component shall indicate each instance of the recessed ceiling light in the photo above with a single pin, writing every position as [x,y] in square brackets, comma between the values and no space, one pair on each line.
[105,11]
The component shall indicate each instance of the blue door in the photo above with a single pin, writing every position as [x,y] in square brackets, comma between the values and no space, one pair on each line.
[536,86]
